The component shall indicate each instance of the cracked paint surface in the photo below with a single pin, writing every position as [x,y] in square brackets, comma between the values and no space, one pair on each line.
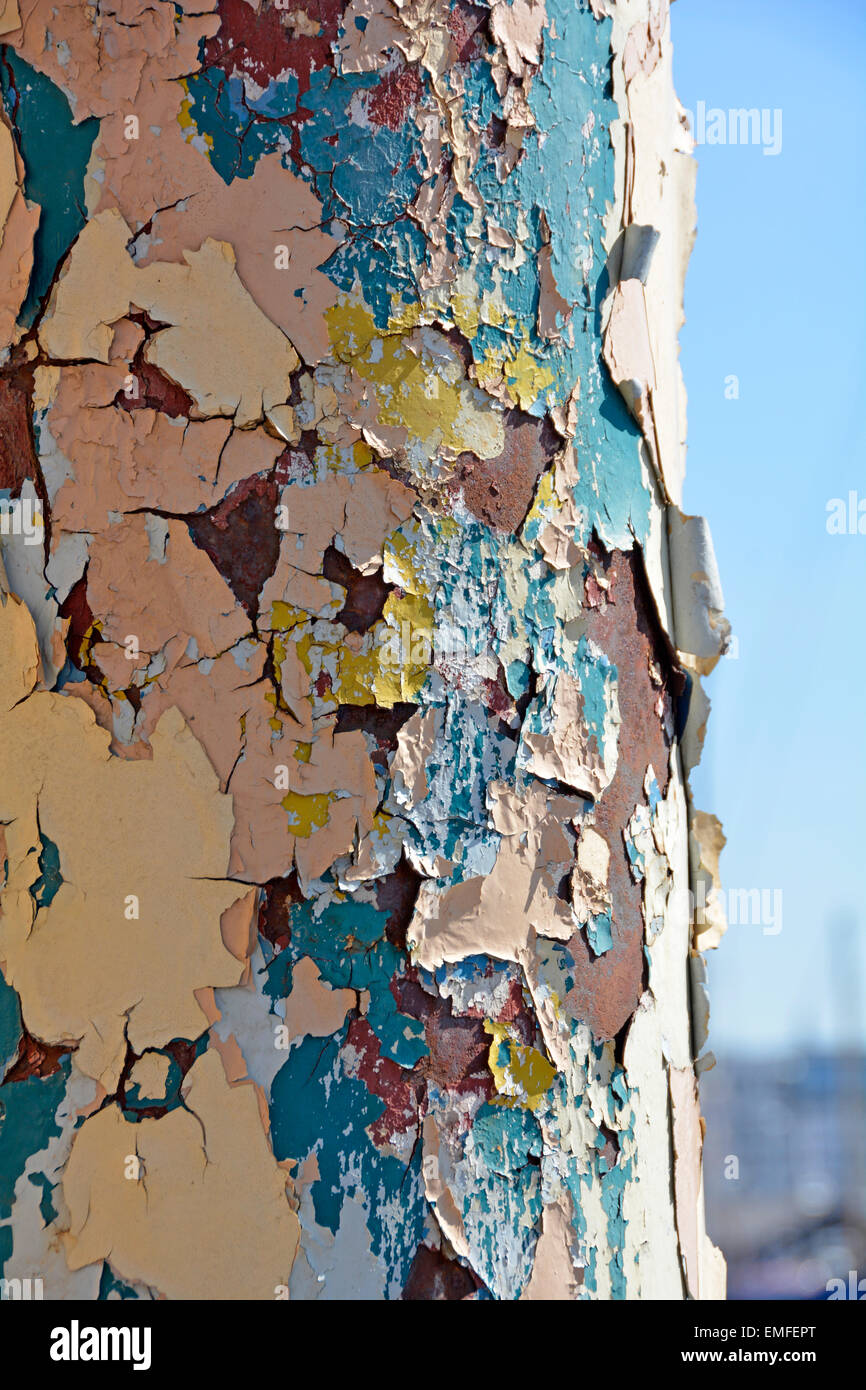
[351,677]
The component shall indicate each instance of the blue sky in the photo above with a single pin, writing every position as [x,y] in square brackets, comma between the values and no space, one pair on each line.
[776,295]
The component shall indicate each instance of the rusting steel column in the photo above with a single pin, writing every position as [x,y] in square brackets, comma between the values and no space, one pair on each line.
[351,654]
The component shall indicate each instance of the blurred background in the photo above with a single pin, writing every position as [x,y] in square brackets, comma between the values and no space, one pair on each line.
[773,357]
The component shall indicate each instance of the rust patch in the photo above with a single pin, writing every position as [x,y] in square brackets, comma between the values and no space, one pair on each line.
[273,918]
[17,460]
[435,1278]
[390,101]
[499,491]
[35,1058]
[608,987]
[366,594]
[241,538]
[154,391]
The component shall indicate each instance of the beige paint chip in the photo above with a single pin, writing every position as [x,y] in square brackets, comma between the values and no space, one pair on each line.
[314,1009]
[150,1074]
[9,16]
[207,1217]
[18,222]
[134,928]
[219,346]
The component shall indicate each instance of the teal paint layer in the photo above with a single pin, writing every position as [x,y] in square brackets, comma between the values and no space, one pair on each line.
[55,153]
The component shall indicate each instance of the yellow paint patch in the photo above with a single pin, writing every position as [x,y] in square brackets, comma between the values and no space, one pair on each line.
[525,377]
[466,316]
[522,1074]
[420,384]
[307,813]
[546,503]
[284,617]
[187,123]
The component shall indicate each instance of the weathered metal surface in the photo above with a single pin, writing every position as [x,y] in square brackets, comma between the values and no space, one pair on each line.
[350,682]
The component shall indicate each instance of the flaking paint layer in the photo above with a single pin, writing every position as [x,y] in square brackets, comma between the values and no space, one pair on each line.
[352,677]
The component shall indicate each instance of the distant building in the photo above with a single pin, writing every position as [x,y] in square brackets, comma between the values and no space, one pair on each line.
[785,1172]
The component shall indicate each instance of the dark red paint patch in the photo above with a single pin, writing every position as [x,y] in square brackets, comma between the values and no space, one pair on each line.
[17,459]
[517,1012]
[500,491]
[390,101]
[459,1053]
[386,1080]
[275,907]
[397,892]
[35,1058]
[322,683]
[153,390]
[76,608]
[608,987]
[468,28]
[366,594]
[241,537]
[262,45]
[435,1278]
[182,1051]
[458,1046]
[594,595]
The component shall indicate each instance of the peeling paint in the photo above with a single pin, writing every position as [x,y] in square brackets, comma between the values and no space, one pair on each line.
[352,683]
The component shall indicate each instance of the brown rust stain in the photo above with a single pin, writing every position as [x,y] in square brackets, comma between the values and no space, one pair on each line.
[608,987]
[241,537]
[499,491]
[154,391]
[17,459]
[35,1058]
[366,594]
[274,907]
[435,1278]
